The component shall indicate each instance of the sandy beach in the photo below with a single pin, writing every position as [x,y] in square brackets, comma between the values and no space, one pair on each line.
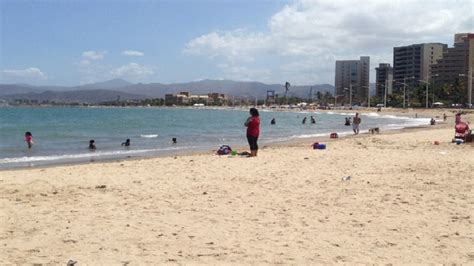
[407,201]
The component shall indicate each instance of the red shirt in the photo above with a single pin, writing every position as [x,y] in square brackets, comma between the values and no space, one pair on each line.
[253,127]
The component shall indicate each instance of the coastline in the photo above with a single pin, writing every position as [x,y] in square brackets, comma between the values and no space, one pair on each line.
[108,156]
[407,201]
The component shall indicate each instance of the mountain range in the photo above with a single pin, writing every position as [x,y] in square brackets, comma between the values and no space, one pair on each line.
[118,88]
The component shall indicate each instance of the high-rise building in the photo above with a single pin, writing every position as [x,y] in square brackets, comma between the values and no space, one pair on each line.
[383,80]
[412,63]
[455,64]
[353,75]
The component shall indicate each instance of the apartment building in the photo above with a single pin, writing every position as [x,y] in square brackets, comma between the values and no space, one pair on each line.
[353,75]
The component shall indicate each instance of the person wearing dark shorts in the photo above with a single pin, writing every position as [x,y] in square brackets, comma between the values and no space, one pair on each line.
[253,131]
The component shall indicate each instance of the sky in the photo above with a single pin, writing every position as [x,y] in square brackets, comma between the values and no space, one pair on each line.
[78,42]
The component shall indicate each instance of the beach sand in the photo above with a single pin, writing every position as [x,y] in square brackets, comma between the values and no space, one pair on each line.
[407,201]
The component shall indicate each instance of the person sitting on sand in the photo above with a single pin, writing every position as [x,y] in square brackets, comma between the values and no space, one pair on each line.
[457,118]
[126,143]
[29,139]
[355,123]
[92,145]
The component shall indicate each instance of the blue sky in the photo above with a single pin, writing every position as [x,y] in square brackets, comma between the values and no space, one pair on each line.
[78,42]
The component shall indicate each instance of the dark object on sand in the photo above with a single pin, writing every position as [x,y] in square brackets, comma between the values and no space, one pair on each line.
[71,263]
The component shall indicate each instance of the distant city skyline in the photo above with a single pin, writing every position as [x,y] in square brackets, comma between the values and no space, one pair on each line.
[78,42]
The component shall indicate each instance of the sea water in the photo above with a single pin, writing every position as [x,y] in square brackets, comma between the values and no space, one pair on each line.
[62,134]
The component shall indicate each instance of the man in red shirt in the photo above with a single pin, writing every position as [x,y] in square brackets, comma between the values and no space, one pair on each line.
[253,131]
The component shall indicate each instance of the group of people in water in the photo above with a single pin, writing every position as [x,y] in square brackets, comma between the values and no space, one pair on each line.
[92,146]
[312,118]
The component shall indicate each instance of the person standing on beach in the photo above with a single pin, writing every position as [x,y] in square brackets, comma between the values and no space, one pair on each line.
[253,131]
[29,139]
[355,123]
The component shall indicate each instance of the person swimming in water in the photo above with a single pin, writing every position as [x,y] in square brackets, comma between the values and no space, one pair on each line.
[29,139]
[92,145]
[174,140]
[304,120]
[313,120]
[348,121]
[273,122]
[126,143]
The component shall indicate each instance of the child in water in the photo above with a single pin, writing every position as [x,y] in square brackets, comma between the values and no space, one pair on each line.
[29,139]
[126,143]
[92,145]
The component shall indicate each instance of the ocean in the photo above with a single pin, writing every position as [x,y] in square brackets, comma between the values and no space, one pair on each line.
[62,134]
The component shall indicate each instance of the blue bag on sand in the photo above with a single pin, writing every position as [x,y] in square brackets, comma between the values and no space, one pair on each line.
[321,146]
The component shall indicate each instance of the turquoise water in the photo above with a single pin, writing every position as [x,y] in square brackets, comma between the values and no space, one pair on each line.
[61,135]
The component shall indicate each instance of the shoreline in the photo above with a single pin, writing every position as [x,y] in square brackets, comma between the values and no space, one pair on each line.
[288,142]
[382,198]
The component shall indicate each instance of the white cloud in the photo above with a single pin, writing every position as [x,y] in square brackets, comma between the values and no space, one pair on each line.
[132,53]
[132,71]
[93,55]
[306,37]
[28,73]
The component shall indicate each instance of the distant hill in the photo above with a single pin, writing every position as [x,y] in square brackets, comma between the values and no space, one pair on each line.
[112,84]
[109,90]
[6,89]
[89,96]
[234,88]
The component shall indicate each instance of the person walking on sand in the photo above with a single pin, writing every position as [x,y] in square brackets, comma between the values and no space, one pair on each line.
[29,139]
[253,131]
[355,123]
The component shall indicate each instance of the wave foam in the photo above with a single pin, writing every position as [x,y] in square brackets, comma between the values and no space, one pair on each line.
[66,157]
[150,136]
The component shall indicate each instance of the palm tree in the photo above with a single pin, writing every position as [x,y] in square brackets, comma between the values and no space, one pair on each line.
[287,88]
